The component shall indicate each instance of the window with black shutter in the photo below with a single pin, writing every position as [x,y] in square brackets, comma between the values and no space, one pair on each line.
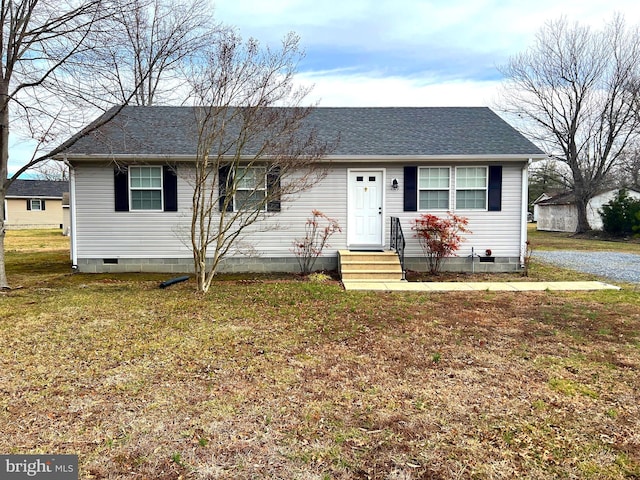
[145,188]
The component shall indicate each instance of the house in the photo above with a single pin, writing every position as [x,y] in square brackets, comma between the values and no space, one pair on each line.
[389,162]
[558,213]
[36,204]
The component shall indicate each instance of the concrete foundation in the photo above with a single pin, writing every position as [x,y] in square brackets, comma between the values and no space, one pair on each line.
[283,264]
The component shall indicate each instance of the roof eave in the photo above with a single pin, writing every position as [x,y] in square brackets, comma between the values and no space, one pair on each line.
[430,158]
[329,158]
[22,197]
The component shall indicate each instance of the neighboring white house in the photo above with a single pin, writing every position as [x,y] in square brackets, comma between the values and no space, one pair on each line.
[389,162]
[558,213]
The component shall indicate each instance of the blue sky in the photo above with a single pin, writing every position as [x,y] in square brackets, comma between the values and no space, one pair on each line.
[402,52]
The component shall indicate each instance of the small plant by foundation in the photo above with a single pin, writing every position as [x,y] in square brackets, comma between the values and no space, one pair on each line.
[439,237]
[308,249]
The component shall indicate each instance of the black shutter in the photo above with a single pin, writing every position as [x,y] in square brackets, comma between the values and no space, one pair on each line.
[495,188]
[273,189]
[224,180]
[121,188]
[410,189]
[42,205]
[170,188]
[29,204]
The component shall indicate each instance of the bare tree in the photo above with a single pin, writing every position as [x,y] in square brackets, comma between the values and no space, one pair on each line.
[548,176]
[38,39]
[148,43]
[576,91]
[628,172]
[49,51]
[255,146]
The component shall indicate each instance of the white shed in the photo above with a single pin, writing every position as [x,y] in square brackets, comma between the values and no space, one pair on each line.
[559,213]
[536,208]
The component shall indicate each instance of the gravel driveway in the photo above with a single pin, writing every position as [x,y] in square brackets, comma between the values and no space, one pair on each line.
[624,267]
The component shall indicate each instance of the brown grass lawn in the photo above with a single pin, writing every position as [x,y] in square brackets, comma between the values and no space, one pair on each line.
[594,241]
[295,379]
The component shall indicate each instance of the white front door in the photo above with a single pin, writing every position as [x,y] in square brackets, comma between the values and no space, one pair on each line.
[364,229]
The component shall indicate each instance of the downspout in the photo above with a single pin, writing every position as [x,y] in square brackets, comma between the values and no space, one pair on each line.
[72,214]
[524,212]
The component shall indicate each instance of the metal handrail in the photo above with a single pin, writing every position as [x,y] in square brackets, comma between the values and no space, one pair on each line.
[397,242]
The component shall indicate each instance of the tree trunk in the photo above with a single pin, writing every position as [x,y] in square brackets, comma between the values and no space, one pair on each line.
[4,284]
[4,162]
[583,221]
[582,197]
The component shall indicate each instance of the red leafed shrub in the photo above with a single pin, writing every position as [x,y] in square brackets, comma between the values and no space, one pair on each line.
[439,237]
[308,249]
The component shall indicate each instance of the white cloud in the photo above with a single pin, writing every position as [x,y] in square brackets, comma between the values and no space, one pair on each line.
[458,42]
[337,89]
[479,25]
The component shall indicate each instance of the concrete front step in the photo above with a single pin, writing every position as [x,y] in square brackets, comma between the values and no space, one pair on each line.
[386,266]
[374,266]
[370,275]
[346,255]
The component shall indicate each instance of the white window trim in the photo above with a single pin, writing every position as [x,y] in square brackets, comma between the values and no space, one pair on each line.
[236,181]
[449,189]
[39,200]
[485,188]
[161,189]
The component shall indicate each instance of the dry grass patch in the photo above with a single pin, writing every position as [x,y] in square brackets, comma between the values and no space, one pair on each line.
[292,379]
[591,241]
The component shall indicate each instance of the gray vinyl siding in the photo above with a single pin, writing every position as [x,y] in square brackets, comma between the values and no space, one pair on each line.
[498,231]
[103,233]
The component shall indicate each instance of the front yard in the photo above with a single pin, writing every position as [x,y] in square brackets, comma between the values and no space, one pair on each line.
[266,378]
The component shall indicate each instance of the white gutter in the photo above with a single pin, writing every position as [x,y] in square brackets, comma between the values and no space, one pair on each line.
[524,212]
[72,215]
[326,158]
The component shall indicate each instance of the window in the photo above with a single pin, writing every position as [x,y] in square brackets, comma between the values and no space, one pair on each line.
[433,188]
[251,188]
[145,185]
[36,204]
[471,188]
[145,188]
[476,188]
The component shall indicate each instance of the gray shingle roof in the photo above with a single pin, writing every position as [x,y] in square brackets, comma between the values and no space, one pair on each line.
[37,188]
[160,130]
[569,198]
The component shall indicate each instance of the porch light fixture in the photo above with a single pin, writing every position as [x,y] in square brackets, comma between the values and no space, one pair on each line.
[394,183]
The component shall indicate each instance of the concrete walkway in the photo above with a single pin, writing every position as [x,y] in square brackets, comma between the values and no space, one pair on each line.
[403,286]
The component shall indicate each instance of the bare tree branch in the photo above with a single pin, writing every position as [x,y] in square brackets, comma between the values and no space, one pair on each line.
[64,61]
[576,92]
[148,43]
[255,146]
